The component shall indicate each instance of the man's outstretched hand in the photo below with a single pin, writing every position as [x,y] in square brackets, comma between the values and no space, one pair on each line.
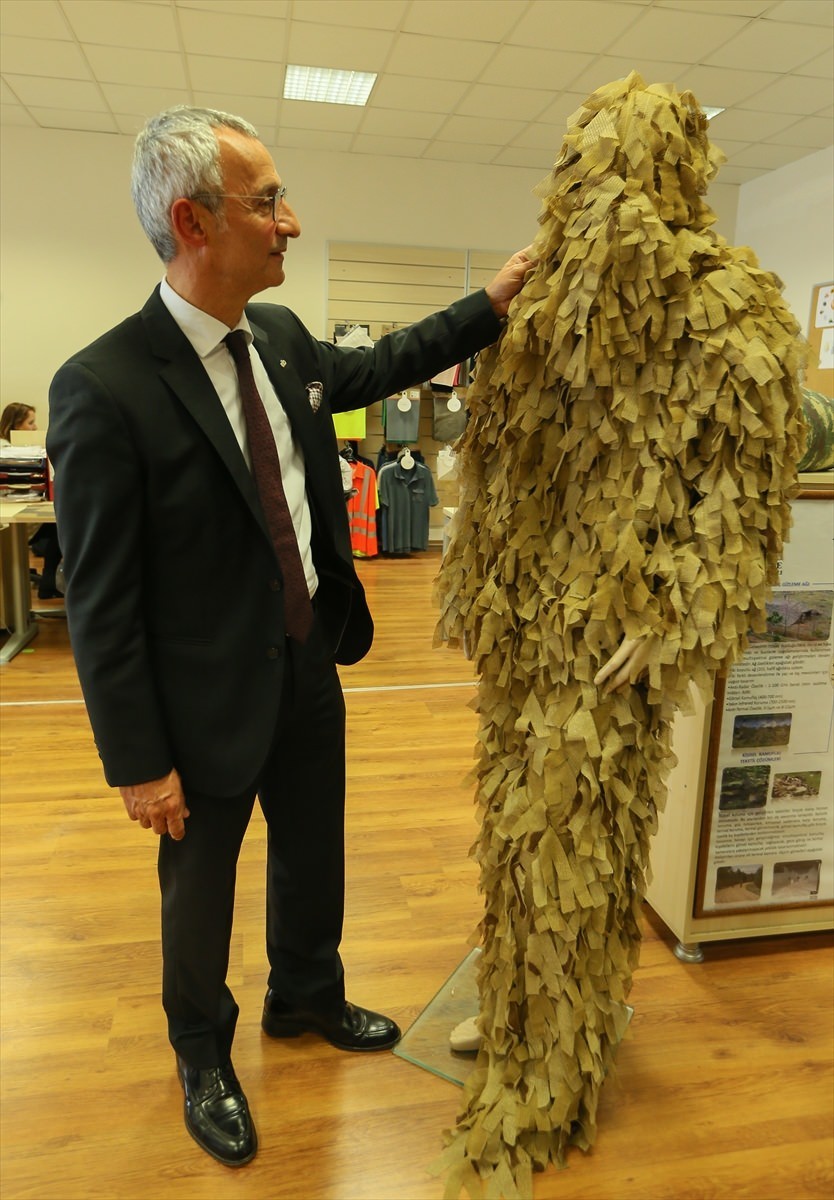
[510,280]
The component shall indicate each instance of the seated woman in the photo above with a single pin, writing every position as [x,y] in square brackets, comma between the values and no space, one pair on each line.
[44,542]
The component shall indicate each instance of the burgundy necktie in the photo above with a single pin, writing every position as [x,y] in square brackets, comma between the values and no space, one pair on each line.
[266,468]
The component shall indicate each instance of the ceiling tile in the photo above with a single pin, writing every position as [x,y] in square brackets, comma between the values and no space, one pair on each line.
[390,122]
[313,139]
[7,96]
[720,87]
[142,26]
[438,58]
[65,118]
[482,23]
[76,94]
[813,132]
[129,123]
[307,114]
[737,175]
[266,133]
[744,126]
[235,77]
[251,8]
[115,64]
[233,36]
[568,26]
[515,157]
[541,137]
[821,67]
[513,66]
[125,98]
[802,12]
[16,114]
[567,104]
[410,92]
[461,152]
[17,20]
[607,69]
[257,110]
[41,56]
[732,8]
[338,46]
[515,103]
[663,33]
[389,146]
[771,45]
[486,133]
[793,94]
[730,147]
[768,157]
[362,14]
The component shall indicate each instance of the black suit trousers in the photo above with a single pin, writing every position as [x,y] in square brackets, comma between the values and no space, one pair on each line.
[301,789]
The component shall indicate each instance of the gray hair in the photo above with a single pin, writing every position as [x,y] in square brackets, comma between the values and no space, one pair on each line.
[177,154]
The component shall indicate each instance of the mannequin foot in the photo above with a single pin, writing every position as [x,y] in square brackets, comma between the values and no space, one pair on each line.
[466,1037]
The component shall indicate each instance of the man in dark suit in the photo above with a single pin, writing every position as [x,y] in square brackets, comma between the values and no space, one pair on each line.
[208,676]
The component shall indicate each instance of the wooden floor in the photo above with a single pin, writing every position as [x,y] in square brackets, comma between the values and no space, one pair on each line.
[724,1087]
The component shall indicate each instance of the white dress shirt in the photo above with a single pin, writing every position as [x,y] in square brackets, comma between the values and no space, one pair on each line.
[206,334]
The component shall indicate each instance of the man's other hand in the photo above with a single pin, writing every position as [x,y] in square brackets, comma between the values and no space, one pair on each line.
[626,665]
[509,280]
[158,804]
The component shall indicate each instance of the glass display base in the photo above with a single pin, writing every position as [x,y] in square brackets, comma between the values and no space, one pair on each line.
[426,1042]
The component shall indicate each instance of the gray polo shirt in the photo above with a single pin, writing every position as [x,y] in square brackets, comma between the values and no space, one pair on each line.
[405,498]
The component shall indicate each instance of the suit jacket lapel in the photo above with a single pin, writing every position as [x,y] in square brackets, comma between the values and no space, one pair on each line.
[186,377]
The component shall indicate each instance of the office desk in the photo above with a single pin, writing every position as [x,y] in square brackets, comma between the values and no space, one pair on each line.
[14,556]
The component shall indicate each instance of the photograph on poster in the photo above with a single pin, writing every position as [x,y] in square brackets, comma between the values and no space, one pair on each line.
[801,616]
[796,880]
[743,788]
[798,785]
[761,729]
[738,884]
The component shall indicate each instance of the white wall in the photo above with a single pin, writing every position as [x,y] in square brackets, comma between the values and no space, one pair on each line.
[74,261]
[786,216]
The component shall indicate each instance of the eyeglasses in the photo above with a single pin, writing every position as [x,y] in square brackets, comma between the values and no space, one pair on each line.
[263,204]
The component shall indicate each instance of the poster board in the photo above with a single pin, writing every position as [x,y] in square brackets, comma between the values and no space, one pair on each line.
[767,837]
[819,376]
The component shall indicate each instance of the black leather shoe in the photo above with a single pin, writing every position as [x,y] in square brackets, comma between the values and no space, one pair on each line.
[353,1028]
[216,1113]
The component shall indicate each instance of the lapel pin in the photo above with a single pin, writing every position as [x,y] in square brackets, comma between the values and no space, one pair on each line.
[282,362]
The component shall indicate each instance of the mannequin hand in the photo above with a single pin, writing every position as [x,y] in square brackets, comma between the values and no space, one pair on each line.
[509,280]
[158,804]
[626,665]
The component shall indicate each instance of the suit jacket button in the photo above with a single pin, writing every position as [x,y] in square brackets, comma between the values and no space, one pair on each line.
[273,651]
[275,585]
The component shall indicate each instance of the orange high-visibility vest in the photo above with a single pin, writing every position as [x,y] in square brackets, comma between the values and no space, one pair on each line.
[361,509]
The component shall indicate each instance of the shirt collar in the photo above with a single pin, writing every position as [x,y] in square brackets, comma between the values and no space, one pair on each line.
[204,332]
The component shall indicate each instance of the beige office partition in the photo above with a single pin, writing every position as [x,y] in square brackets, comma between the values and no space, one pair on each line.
[381,288]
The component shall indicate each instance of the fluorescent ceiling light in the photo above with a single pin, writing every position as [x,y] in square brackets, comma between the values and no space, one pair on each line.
[709,113]
[328,86]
